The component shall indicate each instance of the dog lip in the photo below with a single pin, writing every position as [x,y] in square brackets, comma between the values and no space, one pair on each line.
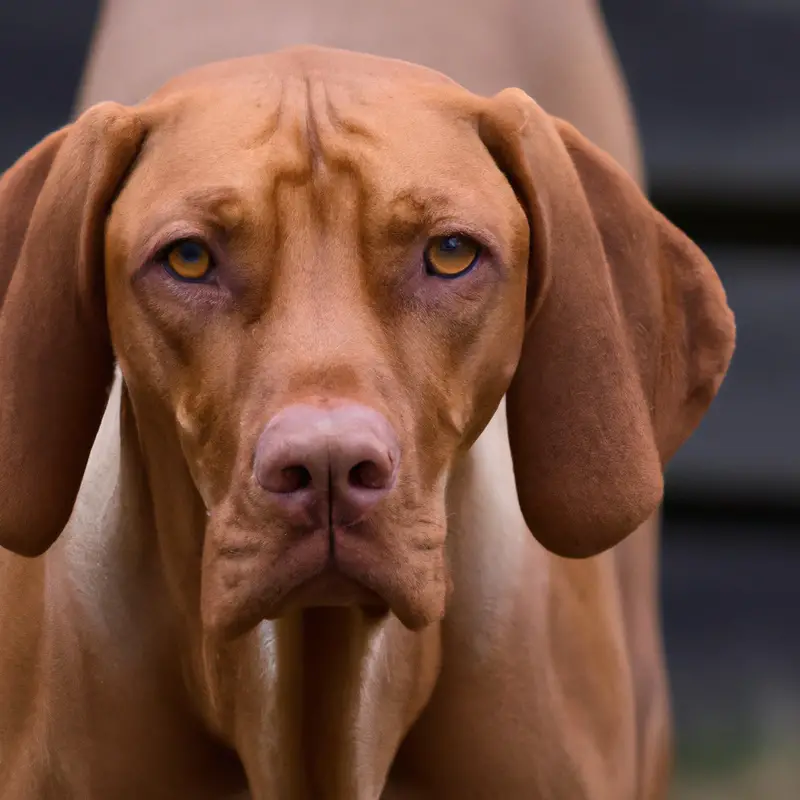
[329,583]
[330,587]
[306,575]
[344,566]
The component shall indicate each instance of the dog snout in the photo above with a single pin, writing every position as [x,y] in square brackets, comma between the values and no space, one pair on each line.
[330,464]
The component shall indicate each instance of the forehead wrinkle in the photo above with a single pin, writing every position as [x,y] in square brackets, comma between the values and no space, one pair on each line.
[356,137]
[222,206]
[313,121]
[273,122]
[421,209]
[245,117]
[291,147]
[352,142]
[405,217]
[333,139]
[314,148]
[312,129]
[221,209]
[328,103]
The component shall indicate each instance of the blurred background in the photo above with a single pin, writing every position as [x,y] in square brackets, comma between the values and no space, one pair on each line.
[716,87]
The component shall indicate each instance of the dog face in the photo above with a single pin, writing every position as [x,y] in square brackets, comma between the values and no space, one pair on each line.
[322,272]
[285,269]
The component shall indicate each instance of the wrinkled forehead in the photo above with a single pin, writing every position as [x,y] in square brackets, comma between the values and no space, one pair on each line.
[405,137]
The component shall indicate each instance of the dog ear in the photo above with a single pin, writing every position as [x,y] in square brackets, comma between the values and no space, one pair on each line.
[628,335]
[56,363]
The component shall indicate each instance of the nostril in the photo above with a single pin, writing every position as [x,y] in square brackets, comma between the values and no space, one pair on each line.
[346,456]
[368,475]
[293,479]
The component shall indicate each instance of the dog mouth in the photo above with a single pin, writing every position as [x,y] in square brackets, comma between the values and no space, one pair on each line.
[330,588]
[247,578]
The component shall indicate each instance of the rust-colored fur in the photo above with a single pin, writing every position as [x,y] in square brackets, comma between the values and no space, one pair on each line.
[315,177]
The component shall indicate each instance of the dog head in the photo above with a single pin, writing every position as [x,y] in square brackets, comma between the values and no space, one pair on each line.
[320,273]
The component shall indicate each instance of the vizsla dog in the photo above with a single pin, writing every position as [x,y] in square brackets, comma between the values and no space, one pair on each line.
[387,352]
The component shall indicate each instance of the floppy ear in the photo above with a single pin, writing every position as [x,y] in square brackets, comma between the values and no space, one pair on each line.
[56,363]
[628,335]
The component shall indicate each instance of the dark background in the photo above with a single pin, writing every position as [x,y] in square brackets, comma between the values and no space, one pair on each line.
[716,85]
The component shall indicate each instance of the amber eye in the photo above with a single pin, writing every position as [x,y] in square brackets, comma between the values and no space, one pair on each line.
[188,260]
[451,256]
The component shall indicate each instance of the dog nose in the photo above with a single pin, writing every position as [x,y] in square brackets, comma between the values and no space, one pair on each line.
[337,461]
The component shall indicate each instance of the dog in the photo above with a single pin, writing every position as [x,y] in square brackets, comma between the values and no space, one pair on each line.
[393,366]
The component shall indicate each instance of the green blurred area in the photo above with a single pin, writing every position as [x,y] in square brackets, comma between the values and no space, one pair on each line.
[772,773]
[747,759]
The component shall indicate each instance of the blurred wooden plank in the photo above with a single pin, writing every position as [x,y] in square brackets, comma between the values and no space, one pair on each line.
[748,447]
[42,48]
[730,595]
[715,84]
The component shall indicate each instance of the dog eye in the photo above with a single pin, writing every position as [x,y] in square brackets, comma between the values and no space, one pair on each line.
[188,260]
[451,256]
